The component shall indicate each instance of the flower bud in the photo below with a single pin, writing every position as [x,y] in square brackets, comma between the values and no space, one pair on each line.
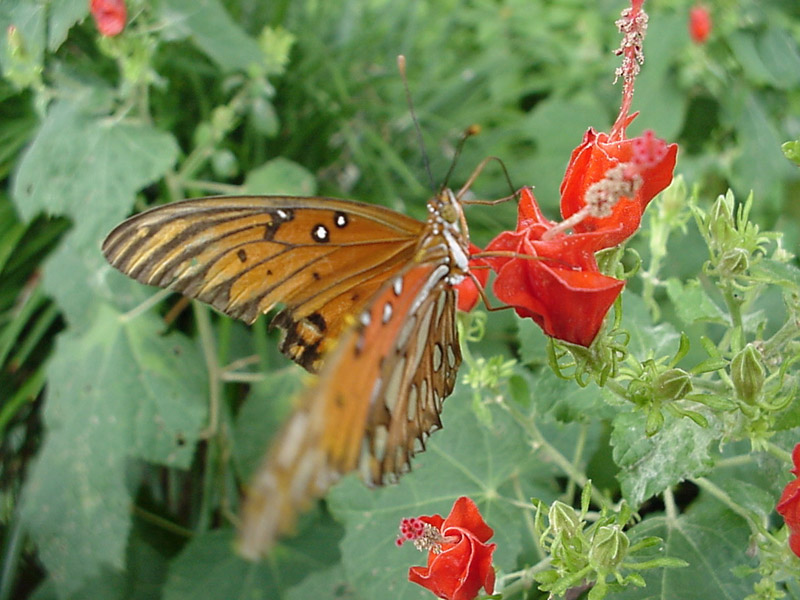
[609,547]
[721,226]
[564,519]
[734,261]
[672,384]
[747,373]
[699,24]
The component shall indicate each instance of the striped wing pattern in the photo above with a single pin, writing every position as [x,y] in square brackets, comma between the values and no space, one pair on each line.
[401,362]
[322,258]
[369,289]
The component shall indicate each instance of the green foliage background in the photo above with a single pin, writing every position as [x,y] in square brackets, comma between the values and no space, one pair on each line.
[112,484]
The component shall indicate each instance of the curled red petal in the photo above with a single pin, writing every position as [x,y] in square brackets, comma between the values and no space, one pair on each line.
[459,571]
[568,305]
[654,162]
[465,515]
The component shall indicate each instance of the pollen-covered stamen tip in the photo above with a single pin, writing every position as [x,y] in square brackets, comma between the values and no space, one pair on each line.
[620,181]
[425,536]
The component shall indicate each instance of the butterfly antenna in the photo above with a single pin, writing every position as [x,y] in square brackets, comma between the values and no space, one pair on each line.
[401,66]
[468,133]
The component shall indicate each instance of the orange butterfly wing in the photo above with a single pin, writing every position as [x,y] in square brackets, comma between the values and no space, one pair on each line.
[378,397]
[322,258]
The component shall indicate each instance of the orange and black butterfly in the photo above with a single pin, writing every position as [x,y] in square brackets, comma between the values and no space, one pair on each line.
[369,302]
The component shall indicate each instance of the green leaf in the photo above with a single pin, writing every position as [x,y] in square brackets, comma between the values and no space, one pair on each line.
[63,15]
[649,465]
[566,402]
[532,342]
[713,542]
[692,304]
[280,176]
[760,165]
[779,54]
[647,339]
[327,583]
[494,466]
[89,169]
[211,28]
[115,391]
[209,569]
[772,271]
[29,19]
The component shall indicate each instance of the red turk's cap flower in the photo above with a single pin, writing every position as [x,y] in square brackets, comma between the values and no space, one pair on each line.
[109,15]
[789,504]
[699,24]
[459,560]
[554,281]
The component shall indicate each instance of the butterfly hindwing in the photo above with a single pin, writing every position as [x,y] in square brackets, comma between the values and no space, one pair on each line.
[371,419]
[322,258]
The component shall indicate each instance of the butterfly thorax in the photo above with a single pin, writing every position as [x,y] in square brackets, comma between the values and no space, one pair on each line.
[446,238]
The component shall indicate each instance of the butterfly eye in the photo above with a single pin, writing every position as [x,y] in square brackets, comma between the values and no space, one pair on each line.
[449,213]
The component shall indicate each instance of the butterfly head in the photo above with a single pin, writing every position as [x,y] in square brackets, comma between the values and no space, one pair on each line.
[448,230]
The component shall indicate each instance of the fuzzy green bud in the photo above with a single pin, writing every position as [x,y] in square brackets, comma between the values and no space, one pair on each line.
[747,373]
[721,226]
[564,519]
[734,261]
[609,547]
[672,384]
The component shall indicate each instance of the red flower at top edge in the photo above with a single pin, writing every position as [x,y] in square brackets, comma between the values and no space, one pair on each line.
[699,24]
[789,504]
[109,15]
[459,560]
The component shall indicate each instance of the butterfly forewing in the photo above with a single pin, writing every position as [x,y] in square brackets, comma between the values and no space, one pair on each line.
[379,394]
[322,258]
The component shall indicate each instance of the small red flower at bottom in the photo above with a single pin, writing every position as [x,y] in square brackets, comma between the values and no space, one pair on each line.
[789,504]
[459,560]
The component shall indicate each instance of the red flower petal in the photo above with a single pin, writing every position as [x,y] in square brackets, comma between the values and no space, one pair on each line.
[589,164]
[109,15]
[465,515]
[464,565]
[789,505]
[567,305]
[468,293]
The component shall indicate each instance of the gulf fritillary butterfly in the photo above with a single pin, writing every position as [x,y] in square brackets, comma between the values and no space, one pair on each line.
[370,285]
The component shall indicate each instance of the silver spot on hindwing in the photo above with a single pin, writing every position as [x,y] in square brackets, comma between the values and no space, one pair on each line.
[437,356]
[451,356]
[387,312]
[397,286]
[379,438]
[413,398]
